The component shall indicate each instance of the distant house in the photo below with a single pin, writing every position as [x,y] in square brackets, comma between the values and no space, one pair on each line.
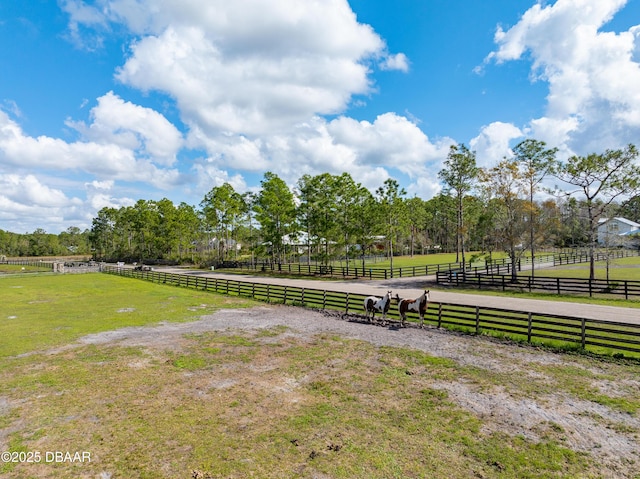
[616,231]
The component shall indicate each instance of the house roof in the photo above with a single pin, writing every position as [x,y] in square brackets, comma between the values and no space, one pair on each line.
[633,224]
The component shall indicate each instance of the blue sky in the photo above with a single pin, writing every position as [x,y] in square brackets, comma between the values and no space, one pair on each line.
[106,102]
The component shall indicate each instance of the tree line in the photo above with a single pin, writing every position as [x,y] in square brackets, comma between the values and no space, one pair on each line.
[332,217]
[72,241]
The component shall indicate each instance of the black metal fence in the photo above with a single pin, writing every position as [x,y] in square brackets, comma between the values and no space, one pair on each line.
[600,335]
[583,286]
[41,265]
[498,266]
[347,271]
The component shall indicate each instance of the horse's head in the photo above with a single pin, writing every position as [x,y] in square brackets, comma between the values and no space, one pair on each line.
[426,295]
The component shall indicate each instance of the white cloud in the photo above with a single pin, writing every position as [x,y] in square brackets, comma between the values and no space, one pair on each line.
[251,67]
[27,204]
[395,62]
[492,144]
[99,195]
[28,190]
[425,187]
[556,131]
[593,75]
[208,176]
[251,80]
[81,14]
[370,152]
[132,127]
[390,140]
[106,160]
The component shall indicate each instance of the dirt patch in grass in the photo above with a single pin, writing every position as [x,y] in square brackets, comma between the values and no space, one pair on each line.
[277,391]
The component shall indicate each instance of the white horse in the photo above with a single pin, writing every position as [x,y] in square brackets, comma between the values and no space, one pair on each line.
[375,303]
[418,305]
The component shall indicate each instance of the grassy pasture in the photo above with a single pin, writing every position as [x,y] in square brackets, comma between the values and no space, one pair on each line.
[261,403]
[619,269]
[422,260]
[38,312]
[17,269]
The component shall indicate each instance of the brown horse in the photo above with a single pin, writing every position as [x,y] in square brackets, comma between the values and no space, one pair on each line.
[418,305]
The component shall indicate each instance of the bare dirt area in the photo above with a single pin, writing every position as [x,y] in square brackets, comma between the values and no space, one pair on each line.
[590,419]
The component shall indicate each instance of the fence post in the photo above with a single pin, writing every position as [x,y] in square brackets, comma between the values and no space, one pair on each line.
[439,315]
[529,326]
[477,319]
[584,333]
[268,293]
[346,308]
[285,294]
[324,299]
[558,285]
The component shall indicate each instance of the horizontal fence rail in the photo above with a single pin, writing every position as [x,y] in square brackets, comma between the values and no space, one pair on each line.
[624,288]
[497,266]
[524,326]
[345,271]
[58,266]
[42,265]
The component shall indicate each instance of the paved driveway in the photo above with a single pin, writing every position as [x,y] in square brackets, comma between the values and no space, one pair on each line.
[413,287]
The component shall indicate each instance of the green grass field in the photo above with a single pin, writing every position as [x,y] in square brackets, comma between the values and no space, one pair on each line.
[259,403]
[19,269]
[619,269]
[422,260]
[38,312]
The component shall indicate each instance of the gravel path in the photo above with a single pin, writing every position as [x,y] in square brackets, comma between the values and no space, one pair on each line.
[612,437]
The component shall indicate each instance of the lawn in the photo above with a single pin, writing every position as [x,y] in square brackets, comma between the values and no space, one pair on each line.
[619,269]
[16,268]
[43,311]
[257,403]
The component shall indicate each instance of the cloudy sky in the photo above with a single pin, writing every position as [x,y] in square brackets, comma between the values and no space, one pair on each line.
[106,102]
